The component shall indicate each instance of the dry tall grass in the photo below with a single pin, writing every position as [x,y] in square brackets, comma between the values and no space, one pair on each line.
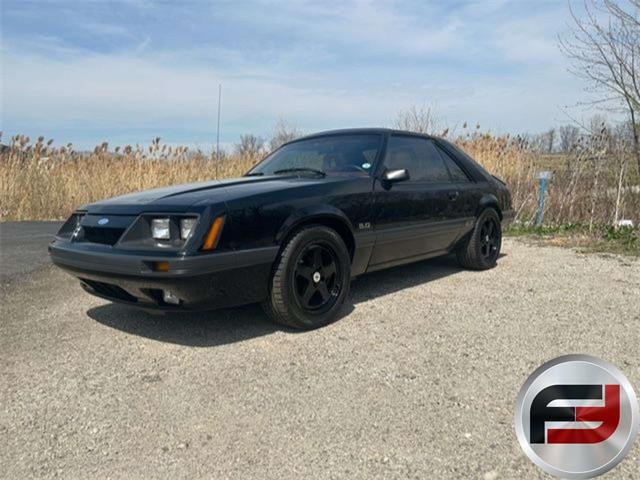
[39,181]
[591,184]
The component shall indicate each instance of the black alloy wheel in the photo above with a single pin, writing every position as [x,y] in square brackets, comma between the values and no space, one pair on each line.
[489,240]
[310,280]
[480,249]
[316,278]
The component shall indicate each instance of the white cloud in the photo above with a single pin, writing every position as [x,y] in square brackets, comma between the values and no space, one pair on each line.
[356,64]
[380,26]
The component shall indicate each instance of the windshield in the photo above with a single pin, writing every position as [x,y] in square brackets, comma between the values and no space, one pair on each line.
[330,155]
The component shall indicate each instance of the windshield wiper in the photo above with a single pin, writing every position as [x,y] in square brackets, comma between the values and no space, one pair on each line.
[300,169]
[254,174]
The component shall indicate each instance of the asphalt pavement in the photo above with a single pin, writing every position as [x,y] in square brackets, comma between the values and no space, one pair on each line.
[23,247]
[417,380]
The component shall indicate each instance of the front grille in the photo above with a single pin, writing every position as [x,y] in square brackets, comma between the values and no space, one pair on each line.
[109,290]
[106,236]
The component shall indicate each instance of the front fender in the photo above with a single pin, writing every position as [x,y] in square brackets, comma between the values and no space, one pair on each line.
[312,213]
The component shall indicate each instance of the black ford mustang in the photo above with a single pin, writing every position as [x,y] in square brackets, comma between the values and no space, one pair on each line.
[293,231]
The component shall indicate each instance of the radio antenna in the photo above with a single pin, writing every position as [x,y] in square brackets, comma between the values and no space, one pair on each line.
[218,132]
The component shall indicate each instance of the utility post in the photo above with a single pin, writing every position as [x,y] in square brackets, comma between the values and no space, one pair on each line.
[543,177]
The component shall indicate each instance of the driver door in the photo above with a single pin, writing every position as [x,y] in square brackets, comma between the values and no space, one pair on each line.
[417,217]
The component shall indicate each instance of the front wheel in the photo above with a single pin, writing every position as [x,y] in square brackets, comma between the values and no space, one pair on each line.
[311,279]
[481,250]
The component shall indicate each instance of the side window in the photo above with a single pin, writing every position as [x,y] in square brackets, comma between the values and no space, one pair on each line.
[457,174]
[419,156]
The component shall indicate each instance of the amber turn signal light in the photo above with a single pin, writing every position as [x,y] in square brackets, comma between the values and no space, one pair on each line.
[211,240]
[160,266]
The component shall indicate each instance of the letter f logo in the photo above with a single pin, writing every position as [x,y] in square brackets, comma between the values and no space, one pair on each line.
[608,415]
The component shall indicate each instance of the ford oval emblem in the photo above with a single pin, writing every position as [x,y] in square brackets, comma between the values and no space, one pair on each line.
[103,221]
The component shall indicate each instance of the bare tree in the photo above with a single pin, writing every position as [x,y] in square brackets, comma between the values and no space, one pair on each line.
[598,124]
[249,146]
[283,132]
[550,140]
[419,120]
[604,46]
[569,136]
[545,141]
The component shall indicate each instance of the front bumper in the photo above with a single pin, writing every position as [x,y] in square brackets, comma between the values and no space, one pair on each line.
[201,282]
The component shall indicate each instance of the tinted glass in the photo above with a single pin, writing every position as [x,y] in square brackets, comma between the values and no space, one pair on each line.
[457,174]
[458,152]
[418,155]
[336,154]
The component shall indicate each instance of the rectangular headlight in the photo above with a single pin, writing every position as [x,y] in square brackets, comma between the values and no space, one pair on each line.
[186,227]
[160,228]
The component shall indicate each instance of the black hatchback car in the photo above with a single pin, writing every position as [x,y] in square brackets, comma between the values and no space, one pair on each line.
[293,231]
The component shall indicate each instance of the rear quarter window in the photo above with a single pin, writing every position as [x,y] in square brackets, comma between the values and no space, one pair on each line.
[457,173]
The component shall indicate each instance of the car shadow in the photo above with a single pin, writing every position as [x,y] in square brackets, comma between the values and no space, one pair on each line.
[221,327]
[385,282]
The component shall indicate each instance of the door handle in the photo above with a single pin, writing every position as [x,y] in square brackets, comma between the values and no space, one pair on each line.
[454,195]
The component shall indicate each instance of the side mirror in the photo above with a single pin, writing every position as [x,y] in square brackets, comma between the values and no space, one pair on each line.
[395,176]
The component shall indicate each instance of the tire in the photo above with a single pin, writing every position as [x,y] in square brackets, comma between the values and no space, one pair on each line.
[481,249]
[310,280]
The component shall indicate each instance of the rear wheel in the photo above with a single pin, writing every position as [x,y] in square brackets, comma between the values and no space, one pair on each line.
[311,279]
[481,250]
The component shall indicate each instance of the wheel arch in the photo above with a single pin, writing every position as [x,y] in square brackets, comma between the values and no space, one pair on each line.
[324,215]
[489,201]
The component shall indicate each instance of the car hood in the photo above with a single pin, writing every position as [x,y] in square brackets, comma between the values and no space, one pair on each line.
[180,198]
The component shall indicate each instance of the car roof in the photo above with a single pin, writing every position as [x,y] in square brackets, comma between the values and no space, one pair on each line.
[360,131]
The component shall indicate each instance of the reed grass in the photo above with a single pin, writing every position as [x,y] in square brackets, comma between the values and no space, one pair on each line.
[591,185]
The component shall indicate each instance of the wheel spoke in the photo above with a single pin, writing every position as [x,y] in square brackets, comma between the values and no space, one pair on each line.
[308,293]
[322,290]
[329,270]
[304,271]
[317,258]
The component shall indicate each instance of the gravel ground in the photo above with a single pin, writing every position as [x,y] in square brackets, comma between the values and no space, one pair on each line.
[418,379]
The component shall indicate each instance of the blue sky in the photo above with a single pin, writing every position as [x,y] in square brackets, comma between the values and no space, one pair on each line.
[126,71]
